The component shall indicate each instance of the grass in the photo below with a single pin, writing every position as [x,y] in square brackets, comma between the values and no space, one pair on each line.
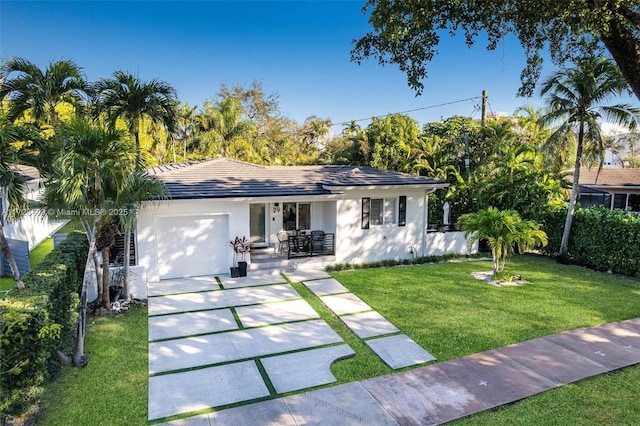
[608,399]
[113,388]
[440,306]
[451,314]
[37,254]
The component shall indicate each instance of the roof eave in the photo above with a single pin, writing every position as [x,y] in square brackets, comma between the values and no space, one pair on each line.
[339,188]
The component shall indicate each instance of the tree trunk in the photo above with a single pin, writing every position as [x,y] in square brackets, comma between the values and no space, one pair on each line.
[127,255]
[79,358]
[624,46]
[495,260]
[6,252]
[106,297]
[97,266]
[563,256]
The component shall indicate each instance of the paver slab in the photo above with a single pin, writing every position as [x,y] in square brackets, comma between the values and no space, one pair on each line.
[201,420]
[299,276]
[346,303]
[251,280]
[399,351]
[301,370]
[274,313]
[423,396]
[220,299]
[620,333]
[348,404]
[494,378]
[368,324]
[266,413]
[597,348]
[208,387]
[183,285]
[190,324]
[552,361]
[240,344]
[325,287]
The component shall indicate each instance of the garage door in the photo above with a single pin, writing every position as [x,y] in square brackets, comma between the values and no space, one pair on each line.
[191,246]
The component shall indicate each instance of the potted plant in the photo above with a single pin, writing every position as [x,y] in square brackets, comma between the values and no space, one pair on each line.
[235,246]
[240,246]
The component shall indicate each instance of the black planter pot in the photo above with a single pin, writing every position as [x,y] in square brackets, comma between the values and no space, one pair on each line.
[235,272]
[242,266]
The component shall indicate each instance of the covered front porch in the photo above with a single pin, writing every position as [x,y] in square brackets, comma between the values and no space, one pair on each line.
[272,259]
[296,227]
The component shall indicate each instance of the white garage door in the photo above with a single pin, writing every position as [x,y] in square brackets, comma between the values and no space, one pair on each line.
[191,246]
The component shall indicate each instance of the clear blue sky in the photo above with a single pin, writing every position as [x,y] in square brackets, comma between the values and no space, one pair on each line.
[298,50]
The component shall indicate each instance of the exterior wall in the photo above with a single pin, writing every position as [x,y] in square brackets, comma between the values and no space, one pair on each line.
[440,243]
[323,216]
[380,242]
[137,282]
[33,228]
[238,213]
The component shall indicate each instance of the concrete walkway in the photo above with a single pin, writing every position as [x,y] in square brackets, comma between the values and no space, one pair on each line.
[449,390]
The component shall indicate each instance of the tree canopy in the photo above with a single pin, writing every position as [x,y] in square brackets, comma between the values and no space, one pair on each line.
[407,33]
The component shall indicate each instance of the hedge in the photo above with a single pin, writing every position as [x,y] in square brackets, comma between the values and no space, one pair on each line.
[601,239]
[37,322]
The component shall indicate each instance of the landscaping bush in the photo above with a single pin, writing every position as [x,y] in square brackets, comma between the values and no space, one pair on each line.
[37,322]
[600,239]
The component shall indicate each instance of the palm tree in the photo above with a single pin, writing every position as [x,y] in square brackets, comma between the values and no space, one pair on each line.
[137,188]
[13,186]
[185,128]
[504,231]
[127,97]
[575,98]
[41,91]
[90,168]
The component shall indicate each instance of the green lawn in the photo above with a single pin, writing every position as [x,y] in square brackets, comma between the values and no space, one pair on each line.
[439,306]
[37,254]
[453,315]
[113,388]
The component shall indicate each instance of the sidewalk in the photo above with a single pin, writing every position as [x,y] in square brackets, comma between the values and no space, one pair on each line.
[453,389]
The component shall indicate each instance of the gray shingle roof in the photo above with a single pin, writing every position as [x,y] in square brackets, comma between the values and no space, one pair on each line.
[224,178]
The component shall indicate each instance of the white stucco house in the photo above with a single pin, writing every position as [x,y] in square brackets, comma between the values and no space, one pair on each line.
[33,227]
[370,214]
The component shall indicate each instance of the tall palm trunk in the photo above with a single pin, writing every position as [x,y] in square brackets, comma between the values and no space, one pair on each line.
[6,252]
[564,245]
[106,296]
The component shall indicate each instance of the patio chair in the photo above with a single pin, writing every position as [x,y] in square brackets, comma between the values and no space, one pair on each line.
[317,241]
[282,240]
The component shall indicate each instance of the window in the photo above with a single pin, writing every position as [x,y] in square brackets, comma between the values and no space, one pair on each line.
[378,211]
[296,216]
[402,211]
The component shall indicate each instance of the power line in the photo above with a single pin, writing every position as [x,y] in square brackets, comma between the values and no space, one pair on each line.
[409,110]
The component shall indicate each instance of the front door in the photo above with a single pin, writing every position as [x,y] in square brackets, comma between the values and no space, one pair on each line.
[258,224]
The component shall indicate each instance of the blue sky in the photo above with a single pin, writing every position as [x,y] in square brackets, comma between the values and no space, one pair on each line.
[299,50]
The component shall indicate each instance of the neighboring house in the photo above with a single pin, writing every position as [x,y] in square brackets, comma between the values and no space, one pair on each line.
[372,214]
[612,188]
[34,227]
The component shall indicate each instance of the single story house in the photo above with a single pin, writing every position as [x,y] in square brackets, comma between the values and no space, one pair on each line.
[613,188]
[32,228]
[371,214]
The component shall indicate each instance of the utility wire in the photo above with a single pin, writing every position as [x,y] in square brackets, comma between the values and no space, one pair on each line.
[409,110]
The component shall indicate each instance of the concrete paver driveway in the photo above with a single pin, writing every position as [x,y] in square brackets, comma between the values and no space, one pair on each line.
[215,342]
